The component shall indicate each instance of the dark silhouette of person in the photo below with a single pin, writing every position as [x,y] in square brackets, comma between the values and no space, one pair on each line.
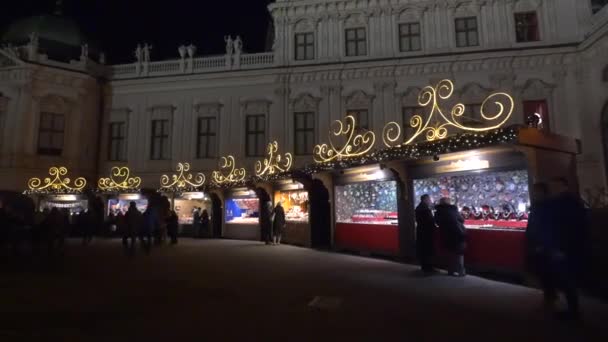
[172,226]
[196,223]
[87,222]
[453,235]
[566,244]
[4,223]
[425,234]
[131,224]
[278,224]
[205,222]
[149,226]
[266,222]
[540,241]
[54,224]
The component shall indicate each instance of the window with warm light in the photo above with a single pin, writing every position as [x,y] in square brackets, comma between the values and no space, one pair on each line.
[526,27]
[540,109]
[467,33]
[117,148]
[51,134]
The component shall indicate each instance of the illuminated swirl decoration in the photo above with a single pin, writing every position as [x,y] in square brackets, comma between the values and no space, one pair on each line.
[233,176]
[355,144]
[55,183]
[274,163]
[119,180]
[181,180]
[436,124]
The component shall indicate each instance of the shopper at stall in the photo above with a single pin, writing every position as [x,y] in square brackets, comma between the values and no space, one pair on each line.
[172,226]
[196,223]
[266,222]
[453,235]
[150,222]
[130,224]
[567,256]
[425,231]
[278,223]
[205,222]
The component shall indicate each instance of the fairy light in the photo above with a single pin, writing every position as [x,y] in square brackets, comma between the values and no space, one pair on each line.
[356,144]
[55,183]
[234,175]
[182,181]
[275,163]
[119,180]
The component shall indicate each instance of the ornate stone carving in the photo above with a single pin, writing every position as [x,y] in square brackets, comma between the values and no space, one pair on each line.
[305,103]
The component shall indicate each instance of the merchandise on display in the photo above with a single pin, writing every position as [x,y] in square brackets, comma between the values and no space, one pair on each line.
[185,209]
[295,203]
[367,203]
[242,210]
[121,205]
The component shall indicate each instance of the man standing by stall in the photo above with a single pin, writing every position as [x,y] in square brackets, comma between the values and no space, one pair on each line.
[425,231]
[453,235]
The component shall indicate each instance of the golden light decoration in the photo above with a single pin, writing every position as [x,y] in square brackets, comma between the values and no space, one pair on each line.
[355,145]
[119,180]
[274,163]
[233,176]
[436,124]
[55,183]
[181,180]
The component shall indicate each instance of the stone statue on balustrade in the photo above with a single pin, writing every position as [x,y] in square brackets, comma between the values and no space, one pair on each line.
[191,50]
[229,44]
[102,58]
[32,46]
[147,49]
[182,51]
[238,45]
[138,53]
[84,52]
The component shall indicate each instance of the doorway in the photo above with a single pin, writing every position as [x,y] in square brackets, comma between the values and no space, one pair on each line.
[216,218]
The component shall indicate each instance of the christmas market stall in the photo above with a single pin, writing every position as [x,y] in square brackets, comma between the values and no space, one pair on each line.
[275,172]
[241,204]
[187,196]
[58,191]
[120,189]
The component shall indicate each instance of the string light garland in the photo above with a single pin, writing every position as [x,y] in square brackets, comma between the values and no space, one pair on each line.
[233,176]
[119,181]
[182,182]
[356,145]
[437,123]
[274,164]
[55,184]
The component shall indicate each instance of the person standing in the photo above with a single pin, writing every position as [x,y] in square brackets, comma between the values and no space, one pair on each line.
[266,222]
[147,228]
[172,226]
[453,234]
[425,233]
[131,223]
[205,223]
[196,223]
[278,224]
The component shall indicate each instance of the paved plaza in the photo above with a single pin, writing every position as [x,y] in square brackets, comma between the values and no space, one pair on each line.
[220,290]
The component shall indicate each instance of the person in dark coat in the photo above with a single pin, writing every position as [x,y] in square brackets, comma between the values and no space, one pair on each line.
[567,244]
[453,235]
[278,224]
[172,226]
[150,222]
[130,224]
[196,223]
[425,231]
[205,222]
[266,222]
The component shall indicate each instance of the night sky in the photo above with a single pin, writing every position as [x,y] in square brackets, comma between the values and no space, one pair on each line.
[118,25]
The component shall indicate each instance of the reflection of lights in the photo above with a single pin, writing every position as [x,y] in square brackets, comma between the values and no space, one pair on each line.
[273,163]
[355,145]
[465,165]
[193,195]
[65,198]
[181,180]
[521,207]
[435,126]
[56,184]
[130,197]
[233,176]
[119,180]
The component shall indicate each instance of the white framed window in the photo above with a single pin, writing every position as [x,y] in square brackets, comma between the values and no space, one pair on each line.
[356,41]
[304,128]
[467,32]
[410,37]
[304,46]
[206,137]
[255,135]
[161,140]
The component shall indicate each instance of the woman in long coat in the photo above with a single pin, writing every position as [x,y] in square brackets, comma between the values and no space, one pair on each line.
[278,224]
[453,235]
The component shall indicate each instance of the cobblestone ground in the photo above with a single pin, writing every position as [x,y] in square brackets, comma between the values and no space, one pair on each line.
[218,290]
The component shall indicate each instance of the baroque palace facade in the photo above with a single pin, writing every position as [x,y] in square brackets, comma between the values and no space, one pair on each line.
[330,58]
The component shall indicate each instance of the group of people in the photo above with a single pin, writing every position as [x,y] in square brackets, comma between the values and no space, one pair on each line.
[272,222]
[200,222]
[555,239]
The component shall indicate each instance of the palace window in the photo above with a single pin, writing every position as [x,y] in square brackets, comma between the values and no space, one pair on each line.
[472,115]
[356,42]
[409,37]
[539,108]
[526,27]
[255,135]
[206,143]
[305,46]
[467,33]
[406,117]
[304,133]
[160,147]
[51,134]
[117,149]
[361,118]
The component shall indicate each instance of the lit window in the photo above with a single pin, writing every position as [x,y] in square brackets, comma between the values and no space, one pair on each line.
[255,136]
[160,140]
[117,150]
[466,32]
[356,42]
[206,145]
[304,133]
[540,109]
[526,27]
[50,134]
[409,37]
[305,46]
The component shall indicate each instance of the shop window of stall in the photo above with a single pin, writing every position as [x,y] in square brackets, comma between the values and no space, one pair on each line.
[304,133]
[526,27]
[117,148]
[51,134]
[467,33]
[361,118]
[540,109]
[206,143]
[160,146]
[255,139]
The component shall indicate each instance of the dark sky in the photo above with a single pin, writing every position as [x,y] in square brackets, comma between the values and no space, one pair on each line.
[118,25]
